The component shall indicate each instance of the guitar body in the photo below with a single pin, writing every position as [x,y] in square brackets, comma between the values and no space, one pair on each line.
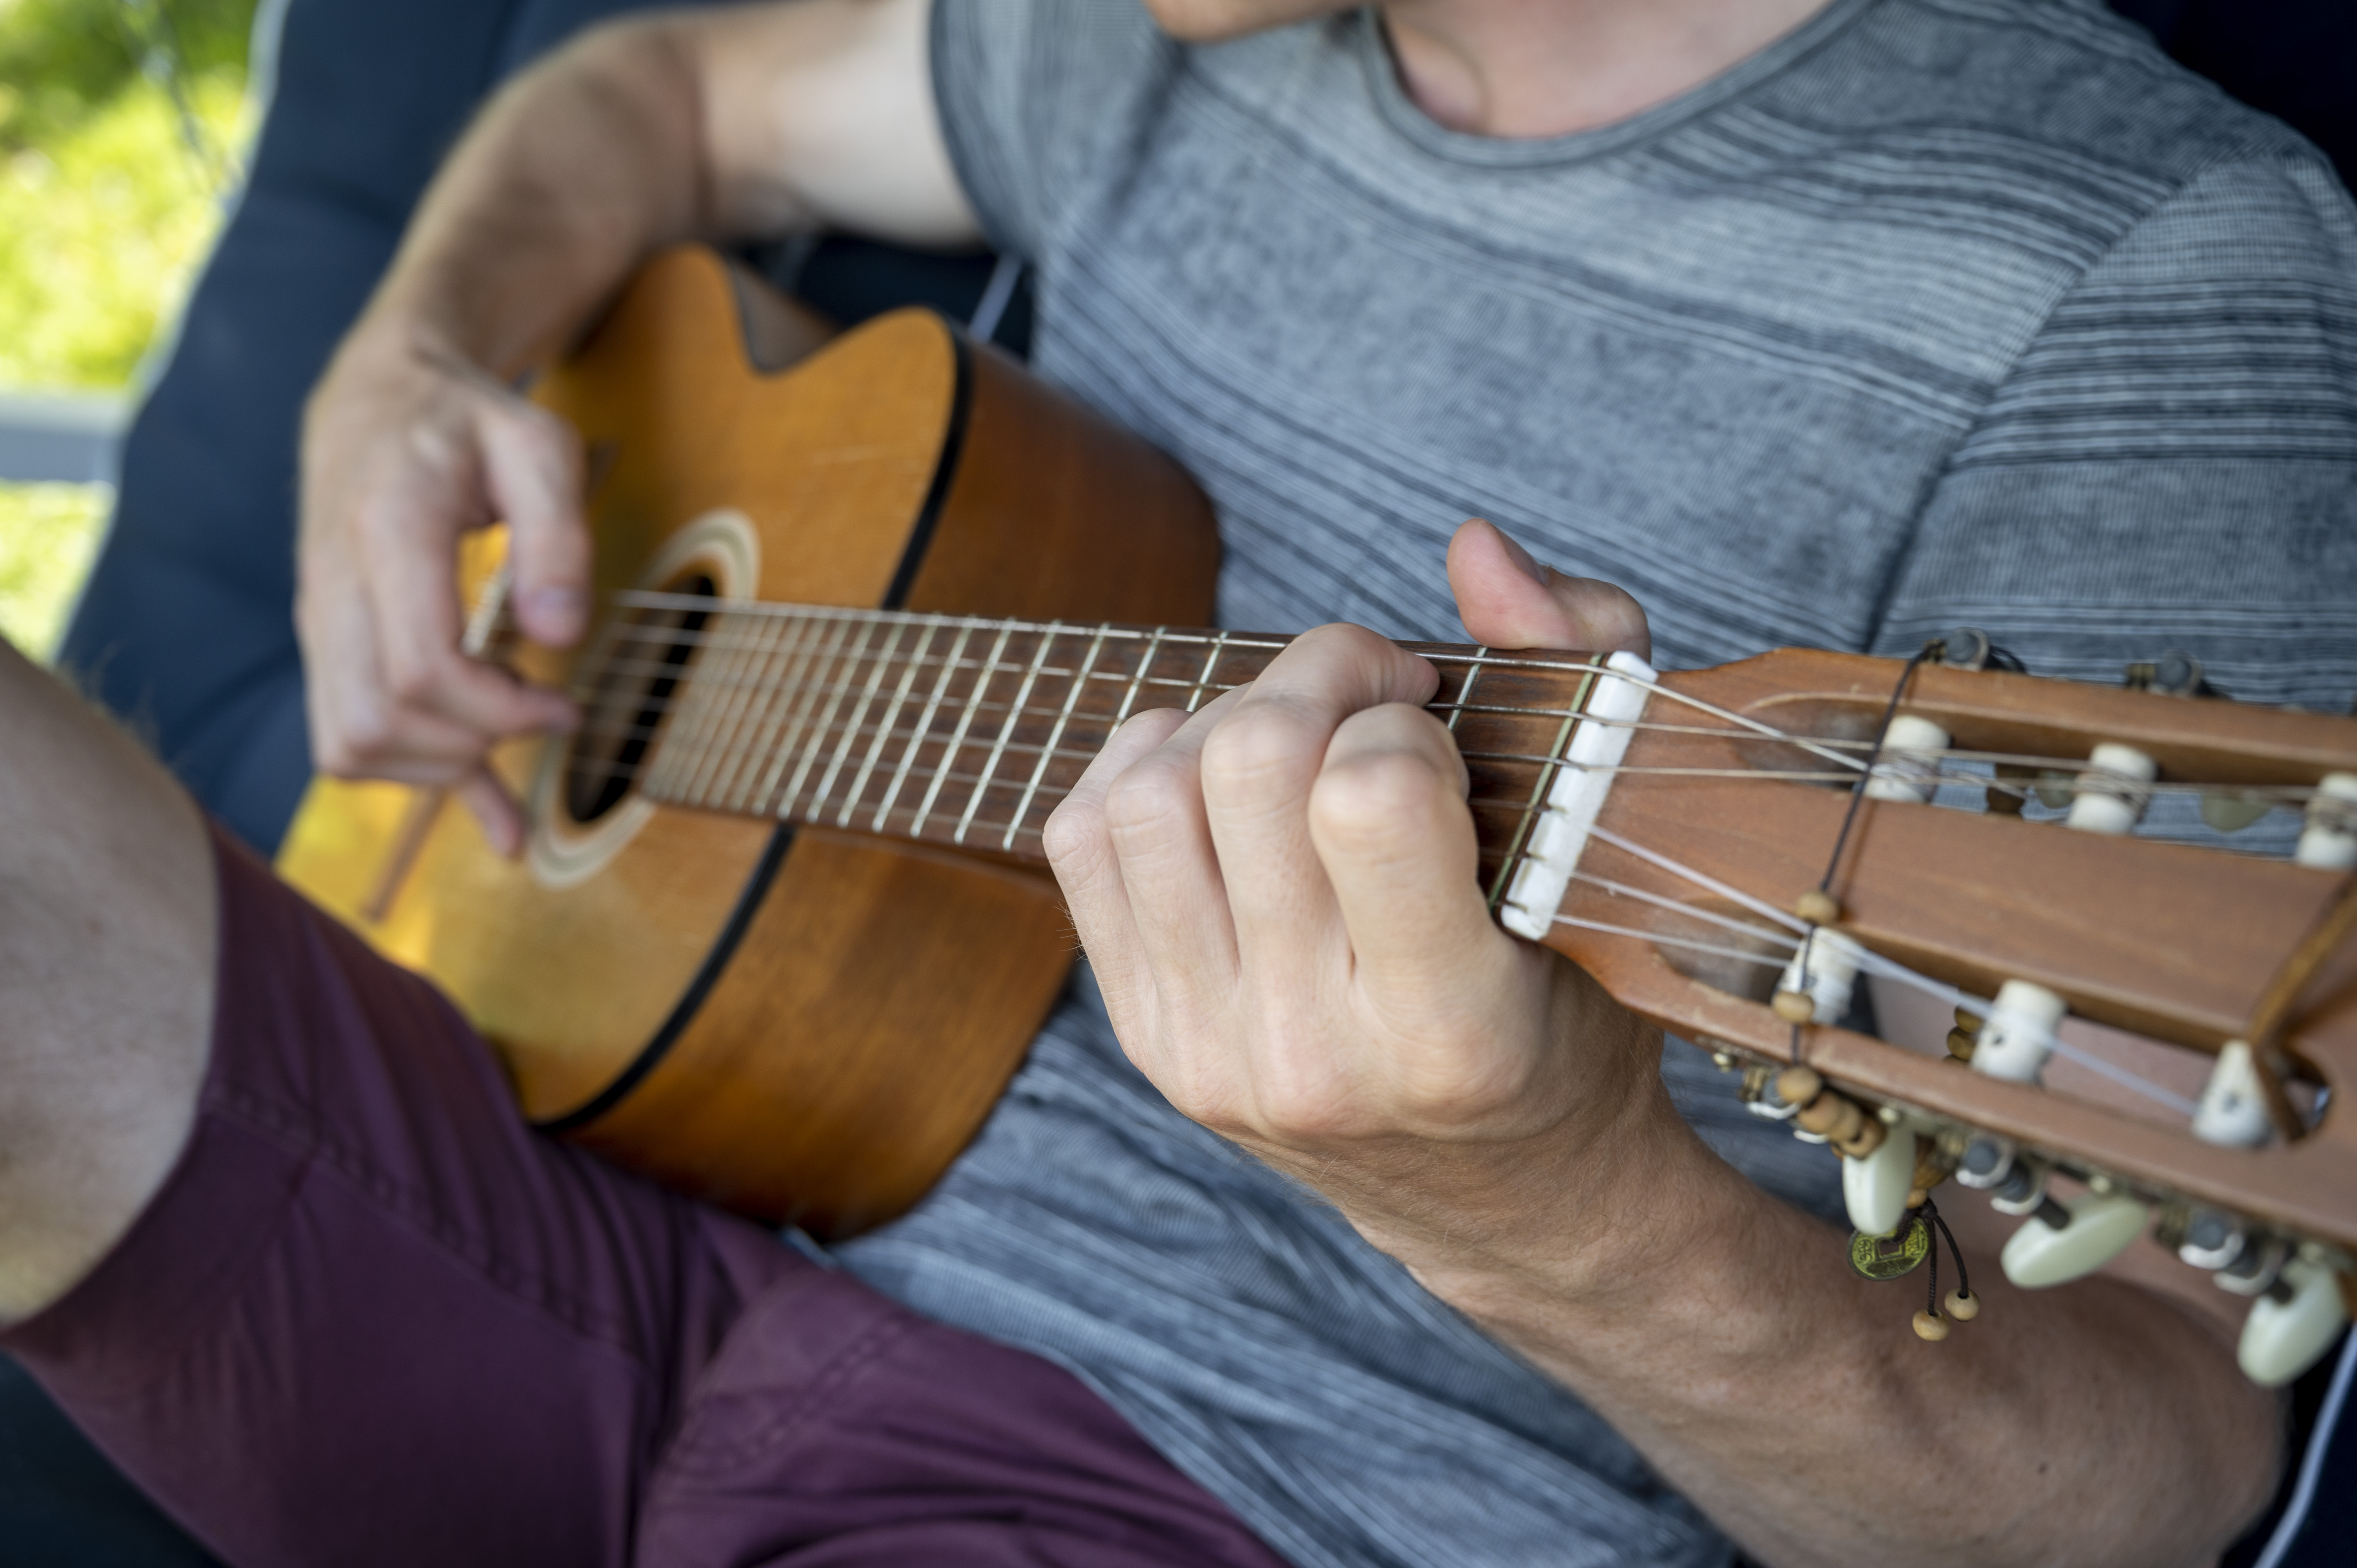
[792,1021]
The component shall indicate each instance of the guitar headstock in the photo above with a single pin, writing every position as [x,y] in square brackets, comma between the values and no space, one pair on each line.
[1989,866]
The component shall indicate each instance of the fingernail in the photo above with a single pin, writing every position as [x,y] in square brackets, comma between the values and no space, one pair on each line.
[561,604]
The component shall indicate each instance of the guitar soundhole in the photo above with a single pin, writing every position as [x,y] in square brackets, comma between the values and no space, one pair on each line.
[625,711]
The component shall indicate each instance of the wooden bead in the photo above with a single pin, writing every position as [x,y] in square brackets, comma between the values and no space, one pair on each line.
[1915,1196]
[1817,908]
[1858,1145]
[1793,1007]
[1960,1045]
[1831,1117]
[1798,1085]
[1961,1307]
[1930,1327]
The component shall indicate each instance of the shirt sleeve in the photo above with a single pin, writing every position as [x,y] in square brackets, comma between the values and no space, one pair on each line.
[1042,101]
[2172,461]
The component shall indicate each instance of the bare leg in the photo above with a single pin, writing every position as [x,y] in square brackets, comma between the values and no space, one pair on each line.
[107,931]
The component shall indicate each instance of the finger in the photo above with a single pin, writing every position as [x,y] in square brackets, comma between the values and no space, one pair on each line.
[408,538]
[1176,890]
[532,462]
[1078,843]
[1395,840]
[1508,600]
[357,730]
[1259,766]
[501,819]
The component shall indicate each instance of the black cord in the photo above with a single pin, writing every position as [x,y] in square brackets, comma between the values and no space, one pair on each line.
[1856,795]
[1963,1279]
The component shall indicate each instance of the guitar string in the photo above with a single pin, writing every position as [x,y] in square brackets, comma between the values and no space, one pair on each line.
[1004,741]
[2070,773]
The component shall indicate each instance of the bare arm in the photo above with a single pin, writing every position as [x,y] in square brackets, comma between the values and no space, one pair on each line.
[1279,900]
[733,123]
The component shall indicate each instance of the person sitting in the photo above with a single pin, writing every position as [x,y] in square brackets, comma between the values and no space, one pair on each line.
[1382,1234]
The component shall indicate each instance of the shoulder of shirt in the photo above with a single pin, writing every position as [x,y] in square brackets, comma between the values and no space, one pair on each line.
[2093,85]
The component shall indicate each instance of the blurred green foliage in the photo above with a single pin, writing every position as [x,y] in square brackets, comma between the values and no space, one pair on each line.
[121,126]
[62,63]
[49,535]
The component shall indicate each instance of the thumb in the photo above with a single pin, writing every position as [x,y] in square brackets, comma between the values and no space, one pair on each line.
[1507,599]
[534,462]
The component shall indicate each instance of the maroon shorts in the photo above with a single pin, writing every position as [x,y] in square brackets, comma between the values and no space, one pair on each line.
[372,1318]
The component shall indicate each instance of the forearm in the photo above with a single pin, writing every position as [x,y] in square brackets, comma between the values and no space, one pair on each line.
[572,173]
[1721,1332]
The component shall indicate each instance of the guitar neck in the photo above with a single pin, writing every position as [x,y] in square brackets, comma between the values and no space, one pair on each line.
[967,732]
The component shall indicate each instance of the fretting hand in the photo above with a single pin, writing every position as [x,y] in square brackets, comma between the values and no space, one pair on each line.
[1278,897]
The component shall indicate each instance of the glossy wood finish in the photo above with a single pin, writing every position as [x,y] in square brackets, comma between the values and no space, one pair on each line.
[2174,941]
[879,996]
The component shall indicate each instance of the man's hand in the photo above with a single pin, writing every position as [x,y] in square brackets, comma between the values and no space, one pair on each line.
[408,448]
[729,123]
[1278,897]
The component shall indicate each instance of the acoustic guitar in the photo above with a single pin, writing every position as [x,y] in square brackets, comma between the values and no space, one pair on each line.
[871,601]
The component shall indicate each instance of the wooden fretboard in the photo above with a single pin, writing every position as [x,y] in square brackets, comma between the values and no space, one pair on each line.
[964,731]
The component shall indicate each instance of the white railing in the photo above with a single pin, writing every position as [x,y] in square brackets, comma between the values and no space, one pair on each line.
[60,437]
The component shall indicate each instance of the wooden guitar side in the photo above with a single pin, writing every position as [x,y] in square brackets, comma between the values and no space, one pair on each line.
[738,1010]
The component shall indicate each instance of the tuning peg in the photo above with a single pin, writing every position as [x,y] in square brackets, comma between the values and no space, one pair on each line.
[1822,993]
[2063,1242]
[2111,796]
[2293,1323]
[2233,1109]
[2019,1034]
[1875,1188]
[2329,841]
[1909,765]
[2213,1239]
[1986,1161]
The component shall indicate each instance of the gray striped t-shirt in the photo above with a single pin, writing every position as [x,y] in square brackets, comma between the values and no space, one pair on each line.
[1935,312]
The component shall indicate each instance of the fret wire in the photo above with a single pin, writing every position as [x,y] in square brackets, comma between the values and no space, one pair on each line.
[1213,636]
[728,690]
[965,722]
[765,798]
[1211,662]
[749,779]
[924,727]
[884,727]
[799,654]
[1504,881]
[1048,752]
[698,705]
[1137,679]
[741,750]
[807,753]
[825,786]
[1465,691]
[1007,731]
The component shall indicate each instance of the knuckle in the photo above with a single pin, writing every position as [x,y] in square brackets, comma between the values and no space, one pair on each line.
[1259,743]
[1380,800]
[1073,838]
[1146,799]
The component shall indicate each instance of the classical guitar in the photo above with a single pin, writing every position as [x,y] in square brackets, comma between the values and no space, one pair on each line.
[870,603]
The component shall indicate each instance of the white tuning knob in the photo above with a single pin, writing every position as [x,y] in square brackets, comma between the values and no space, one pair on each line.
[2233,1109]
[2101,1225]
[2282,1338]
[2329,841]
[1909,769]
[1875,1188]
[2110,798]
[2019,1034]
